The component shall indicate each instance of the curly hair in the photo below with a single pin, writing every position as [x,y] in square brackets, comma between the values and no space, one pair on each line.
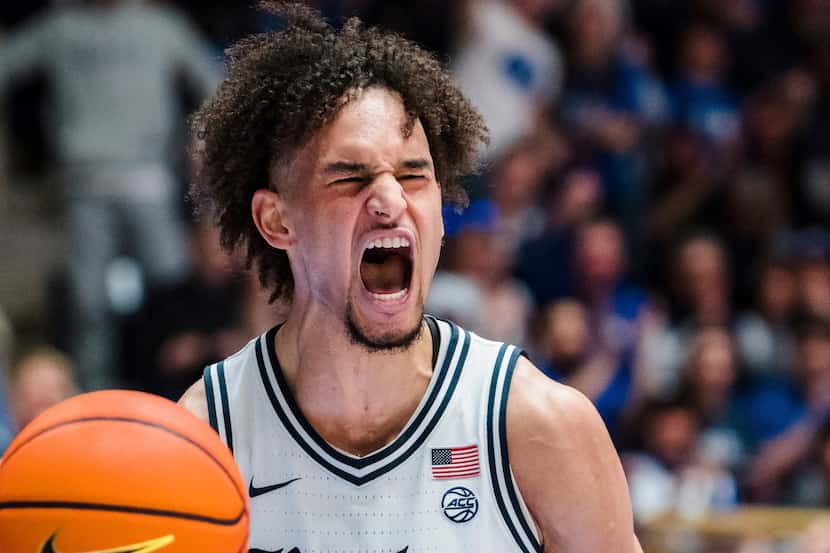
[283,87]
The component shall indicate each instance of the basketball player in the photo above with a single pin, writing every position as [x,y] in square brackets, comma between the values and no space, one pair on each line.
[360,424]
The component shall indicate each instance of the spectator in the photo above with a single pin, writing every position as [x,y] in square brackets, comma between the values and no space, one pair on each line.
[567,354]
[688,190]
[610,104]
[701,99]
[189,324]
[754,213]
[114,118]
[615,306]
[700,297]
[41,378]
[508,66]
[480,261]
[764,335]
[760,199]
[611,311]
[665,474]
[786,416]
[544,263]
[518,179]
[710,387]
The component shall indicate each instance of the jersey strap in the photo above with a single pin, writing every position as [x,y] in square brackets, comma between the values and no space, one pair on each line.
[453,345]
[513,510]
[216,392]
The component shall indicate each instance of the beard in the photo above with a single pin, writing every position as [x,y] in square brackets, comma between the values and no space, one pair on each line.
[386,342]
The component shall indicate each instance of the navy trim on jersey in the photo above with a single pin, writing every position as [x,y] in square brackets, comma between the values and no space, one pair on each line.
[491,450]
[434,420]
[505,459]
[226,405]
[502,465]
[324,453]
[361,462]
[436,338]
[269,390]
[209,395]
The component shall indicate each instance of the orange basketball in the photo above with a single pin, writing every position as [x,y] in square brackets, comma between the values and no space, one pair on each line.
[120,472]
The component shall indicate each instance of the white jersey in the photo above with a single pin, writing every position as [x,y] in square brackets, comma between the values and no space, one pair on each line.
[443,485]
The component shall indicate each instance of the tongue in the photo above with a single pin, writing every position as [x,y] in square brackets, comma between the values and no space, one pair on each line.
[384,276]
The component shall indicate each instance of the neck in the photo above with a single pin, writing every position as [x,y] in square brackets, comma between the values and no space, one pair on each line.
[357,400]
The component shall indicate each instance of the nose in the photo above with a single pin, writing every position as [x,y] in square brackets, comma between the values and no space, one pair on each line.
[386,202]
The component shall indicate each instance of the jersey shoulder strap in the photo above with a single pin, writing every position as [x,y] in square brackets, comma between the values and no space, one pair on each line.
[220,377]
[511,506]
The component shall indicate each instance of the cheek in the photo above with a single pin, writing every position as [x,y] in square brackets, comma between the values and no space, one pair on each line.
[324,237]
[431,230]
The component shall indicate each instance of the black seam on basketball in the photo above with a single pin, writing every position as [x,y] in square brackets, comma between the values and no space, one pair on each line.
[120,509]
[10,454]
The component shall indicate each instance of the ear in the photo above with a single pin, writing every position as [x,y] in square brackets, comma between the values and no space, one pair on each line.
[268,211]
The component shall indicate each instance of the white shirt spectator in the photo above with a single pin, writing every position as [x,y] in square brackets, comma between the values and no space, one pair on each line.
[509,68]
[111,70]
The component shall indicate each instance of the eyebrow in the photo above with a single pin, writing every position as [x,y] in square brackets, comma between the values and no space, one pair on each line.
[350,167]
[341,167]
[415,164]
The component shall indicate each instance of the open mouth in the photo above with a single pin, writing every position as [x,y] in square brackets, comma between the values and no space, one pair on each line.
[386,268]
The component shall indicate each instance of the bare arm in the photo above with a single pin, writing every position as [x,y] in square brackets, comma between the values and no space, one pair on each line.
[193,56]
[566,467]
[195,401]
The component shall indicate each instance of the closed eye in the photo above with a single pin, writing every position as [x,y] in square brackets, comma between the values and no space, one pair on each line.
[351,180]
[411,177]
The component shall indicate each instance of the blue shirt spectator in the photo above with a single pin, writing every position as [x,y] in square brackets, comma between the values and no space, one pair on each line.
[701,99]
[706,108]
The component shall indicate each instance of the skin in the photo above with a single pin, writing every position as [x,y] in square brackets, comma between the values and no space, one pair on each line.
[41,382]
[359,400]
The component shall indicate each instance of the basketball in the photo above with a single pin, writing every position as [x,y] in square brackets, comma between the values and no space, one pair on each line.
[120,471]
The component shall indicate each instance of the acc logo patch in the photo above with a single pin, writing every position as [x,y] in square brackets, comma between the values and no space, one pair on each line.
[459,504]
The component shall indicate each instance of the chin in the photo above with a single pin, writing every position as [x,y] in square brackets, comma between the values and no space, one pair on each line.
[375,338]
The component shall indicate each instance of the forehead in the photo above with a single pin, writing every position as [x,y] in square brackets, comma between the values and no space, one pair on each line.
[369,129]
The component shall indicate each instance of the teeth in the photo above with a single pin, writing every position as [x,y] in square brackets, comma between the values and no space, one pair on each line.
[390,297]
[397,242]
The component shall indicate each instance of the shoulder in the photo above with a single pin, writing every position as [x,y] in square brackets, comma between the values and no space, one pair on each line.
[566,466]
[547,403]
[542,413]
[195,400]
[165,20]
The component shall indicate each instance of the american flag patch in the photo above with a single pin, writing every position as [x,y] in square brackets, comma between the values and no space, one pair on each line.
[455,462]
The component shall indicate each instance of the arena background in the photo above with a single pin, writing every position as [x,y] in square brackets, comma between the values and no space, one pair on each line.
[652,224]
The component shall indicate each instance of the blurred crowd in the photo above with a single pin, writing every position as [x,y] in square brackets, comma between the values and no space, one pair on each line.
[651,222]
